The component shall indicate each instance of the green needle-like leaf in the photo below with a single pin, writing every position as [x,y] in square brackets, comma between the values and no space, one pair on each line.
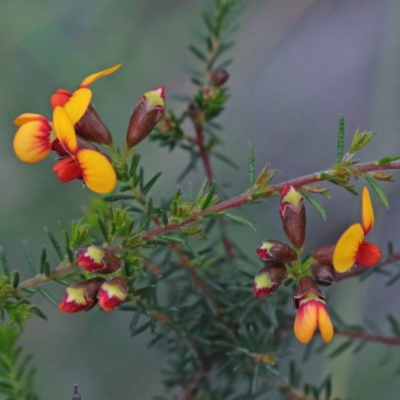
[340,141]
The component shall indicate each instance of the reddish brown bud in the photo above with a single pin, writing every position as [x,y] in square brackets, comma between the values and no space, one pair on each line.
[92,128]
[268,279]
[145,116]
[271,250]
[323,274]
[293,215]
[81,296]
[113,293]
[305,285]
[97,259]
[324,255]
[219,76]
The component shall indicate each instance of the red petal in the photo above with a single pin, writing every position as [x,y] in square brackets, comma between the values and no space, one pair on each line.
[60,98]
[368,254]
[67,170]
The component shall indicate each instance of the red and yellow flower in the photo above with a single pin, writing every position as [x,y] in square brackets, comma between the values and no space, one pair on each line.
[113,293]
[98,259]
[352,248]
[311,312]
[93,167]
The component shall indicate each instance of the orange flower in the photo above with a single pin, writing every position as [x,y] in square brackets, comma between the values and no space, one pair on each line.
[352,248]
[36,137]
[311,312]
[90,165]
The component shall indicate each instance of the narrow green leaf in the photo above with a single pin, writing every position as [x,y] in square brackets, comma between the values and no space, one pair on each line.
[378,190]
[150,183]
[134,164]
[240,220]
[48,296]
[214,214]
[193,251]
[315,203]
[164,217]
[43,260]
[225,159]
[394,325]
[118,197]
[29,258]
[14,277]
[135,319]
[70,254]
[141,328]
[251,166]
[198,53]
[340,142]
[171,238]
[38,312]
[55,244]
[209,197]
[387,160]
[340,349]
[103,228]
[254,382]
[4,262]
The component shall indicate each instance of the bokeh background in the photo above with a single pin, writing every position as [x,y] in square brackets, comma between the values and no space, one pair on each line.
[298,65]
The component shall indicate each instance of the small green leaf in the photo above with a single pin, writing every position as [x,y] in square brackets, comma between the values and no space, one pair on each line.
[209,197]
[134,165]
[150,183]
[360,140]
[141,329]
[43,260]
[340,349]
[240,220]
[14,278]
[29,258]
[214,214]
[378,190]
[118,197]
[315,203]
[48,296]
[171,238]
[387,160]
[340,142]
[103,228]
[55,244]
[251,166]
[4,262]
[198,53]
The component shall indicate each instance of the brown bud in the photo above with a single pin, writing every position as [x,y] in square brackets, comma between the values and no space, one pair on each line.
[323,274]
[274,250]
[324,255]
[305,285]
[268,279]
[293,214]
[382,176]
[92,128]
[219,76]
[195,114]
[145,116]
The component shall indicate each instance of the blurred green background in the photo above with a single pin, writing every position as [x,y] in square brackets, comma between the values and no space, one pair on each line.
[298,65]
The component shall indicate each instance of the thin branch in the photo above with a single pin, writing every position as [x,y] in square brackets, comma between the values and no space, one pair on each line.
[392,341]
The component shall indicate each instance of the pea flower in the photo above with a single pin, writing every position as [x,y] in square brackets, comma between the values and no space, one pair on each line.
[98,259]
[36,137]
[93,167]
[113,293]
[352,248]
[90,126]
[311,311]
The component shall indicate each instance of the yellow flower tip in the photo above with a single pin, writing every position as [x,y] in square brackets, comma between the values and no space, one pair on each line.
[155,98]
[78,103]
[76,295]
[312,312]
[367,211]
[91,78]
[97,172]
[64,130]
[344,255]
[291,197]
[33,141]
[28,117]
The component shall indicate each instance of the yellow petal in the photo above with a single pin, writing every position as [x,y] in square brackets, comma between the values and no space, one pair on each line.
[346,248]
[78,103]
[306,321]
[367,211]
[64,130]
[33,140]
[325,323]
[91,78]
[28,117]
[98,173]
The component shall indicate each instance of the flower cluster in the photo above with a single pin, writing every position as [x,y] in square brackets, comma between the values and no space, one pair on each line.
[109,294]
[283,262]
[75,127]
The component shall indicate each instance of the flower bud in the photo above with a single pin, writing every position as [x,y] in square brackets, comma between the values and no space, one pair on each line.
[268,279]
[323,274]
[81,296]
[97,259]
[324,255]
[293,214]
[274,250]
[145,116]
[113,293]
[305,285]
[219,76]
[195,113]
